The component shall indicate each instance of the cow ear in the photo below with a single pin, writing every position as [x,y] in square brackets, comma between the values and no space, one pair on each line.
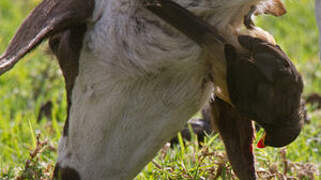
[273,7]
[48,18]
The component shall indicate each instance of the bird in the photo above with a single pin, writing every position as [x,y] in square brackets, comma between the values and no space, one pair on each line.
[263,85]
[132,80]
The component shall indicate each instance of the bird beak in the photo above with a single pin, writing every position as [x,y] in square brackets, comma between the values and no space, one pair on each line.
[48,18]
[261,144]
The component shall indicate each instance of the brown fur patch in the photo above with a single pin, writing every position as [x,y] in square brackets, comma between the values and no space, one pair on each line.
[67,46]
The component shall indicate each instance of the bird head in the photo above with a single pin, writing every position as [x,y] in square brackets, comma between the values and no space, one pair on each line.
[280,135]
[282,126]
[266,87]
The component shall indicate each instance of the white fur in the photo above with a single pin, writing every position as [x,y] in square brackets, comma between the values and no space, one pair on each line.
[131,96]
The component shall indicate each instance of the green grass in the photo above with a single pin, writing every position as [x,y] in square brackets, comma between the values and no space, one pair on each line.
[36,80]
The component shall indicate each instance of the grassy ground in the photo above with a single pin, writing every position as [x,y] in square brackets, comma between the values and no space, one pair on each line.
[37,80]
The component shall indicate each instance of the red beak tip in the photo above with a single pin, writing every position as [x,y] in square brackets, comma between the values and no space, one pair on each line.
[260,144]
